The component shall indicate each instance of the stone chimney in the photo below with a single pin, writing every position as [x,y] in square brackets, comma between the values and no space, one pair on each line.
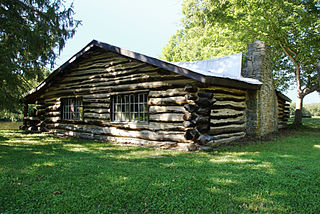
[261,103]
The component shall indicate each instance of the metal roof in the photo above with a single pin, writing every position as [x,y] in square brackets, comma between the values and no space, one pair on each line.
[224,67]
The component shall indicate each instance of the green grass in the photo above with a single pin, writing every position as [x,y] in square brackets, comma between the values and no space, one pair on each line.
[10,125]
[43,174]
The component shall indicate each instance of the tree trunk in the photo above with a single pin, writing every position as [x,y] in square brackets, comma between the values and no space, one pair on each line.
[298,112]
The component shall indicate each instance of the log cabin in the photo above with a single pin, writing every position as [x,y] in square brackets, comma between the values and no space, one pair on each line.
[111,94]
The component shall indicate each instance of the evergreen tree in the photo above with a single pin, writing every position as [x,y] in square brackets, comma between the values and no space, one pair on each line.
[32,34]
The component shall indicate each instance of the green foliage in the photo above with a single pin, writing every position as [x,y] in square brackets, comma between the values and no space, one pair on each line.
[314,109]
[8,115]
[200,38]
[213,27]
[307,110]
[43,174]
[31,33]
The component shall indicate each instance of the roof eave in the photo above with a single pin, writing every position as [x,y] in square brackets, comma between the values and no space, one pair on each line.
[219,81]
[281,95]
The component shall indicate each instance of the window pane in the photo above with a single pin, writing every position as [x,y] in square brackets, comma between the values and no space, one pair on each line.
[72,109]
[129,107]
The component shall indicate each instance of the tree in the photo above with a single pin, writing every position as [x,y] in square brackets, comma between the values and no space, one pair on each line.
[289,27]
[32,34]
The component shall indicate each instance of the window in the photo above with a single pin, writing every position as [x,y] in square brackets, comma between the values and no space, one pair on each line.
[72,109]
[129,107]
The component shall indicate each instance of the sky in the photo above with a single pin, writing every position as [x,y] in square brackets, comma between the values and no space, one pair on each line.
[143,26]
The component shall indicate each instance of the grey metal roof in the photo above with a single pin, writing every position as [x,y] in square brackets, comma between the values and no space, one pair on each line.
[224,67]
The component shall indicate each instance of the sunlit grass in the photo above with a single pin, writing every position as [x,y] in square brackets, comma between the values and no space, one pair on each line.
[40,173]
[10,125]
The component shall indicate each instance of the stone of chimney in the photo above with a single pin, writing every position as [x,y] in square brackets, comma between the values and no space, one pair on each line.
[262,103]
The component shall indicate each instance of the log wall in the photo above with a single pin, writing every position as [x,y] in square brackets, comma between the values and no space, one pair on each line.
[283,112]
[217,116]
[182,112]
[100,75]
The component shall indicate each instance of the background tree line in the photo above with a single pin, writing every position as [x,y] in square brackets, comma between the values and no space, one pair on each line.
[291,28]
[308,110]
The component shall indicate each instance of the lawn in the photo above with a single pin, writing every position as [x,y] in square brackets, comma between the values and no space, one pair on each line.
[43,174]
[9,125]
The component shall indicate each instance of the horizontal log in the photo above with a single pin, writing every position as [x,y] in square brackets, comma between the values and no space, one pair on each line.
[224,90]
[105,58]
[97,116]
[166,109]
[52,100]
[222,136]
[147,143]
[103,100]
[108,79]
[229,121]
[96,110]
[101,80]
[53,108]
[53,113]
[63,132]
[113,131]
[168,101]
[125,87]
[96,96]
[229,105]
[221,141]
[167,117]
[96,105]
[96,121]
[105,66]
[226,112]
[226,129]
[167,93]
[220,96]
[151,126]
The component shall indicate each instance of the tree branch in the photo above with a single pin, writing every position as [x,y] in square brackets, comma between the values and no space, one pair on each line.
[318,71]
[309,90]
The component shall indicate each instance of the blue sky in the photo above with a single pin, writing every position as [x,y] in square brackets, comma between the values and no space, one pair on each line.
[143,26]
